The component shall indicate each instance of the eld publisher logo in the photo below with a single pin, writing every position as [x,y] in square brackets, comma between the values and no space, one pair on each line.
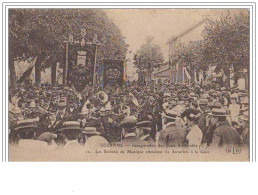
[233,150]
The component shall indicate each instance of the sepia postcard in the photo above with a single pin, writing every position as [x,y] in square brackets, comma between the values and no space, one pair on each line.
[136,84]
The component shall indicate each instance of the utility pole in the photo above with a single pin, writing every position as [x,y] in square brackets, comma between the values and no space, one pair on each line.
[95,64]
[65,68]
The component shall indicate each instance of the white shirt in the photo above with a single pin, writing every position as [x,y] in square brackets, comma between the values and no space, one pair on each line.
[194,136]
[234,111]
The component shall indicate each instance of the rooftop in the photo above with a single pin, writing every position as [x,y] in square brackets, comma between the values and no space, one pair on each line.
[189,29]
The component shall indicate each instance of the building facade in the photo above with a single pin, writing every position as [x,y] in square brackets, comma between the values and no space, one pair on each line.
[179,74]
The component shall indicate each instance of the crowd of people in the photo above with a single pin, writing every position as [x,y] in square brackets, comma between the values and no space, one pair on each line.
[161,114]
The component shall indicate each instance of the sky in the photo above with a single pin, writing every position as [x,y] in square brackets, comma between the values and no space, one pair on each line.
[162,24]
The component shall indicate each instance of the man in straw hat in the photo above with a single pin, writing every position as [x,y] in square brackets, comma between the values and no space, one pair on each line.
[223,134]
[203,104]
[128,126]
[91,138]
[172,134]
[69,133]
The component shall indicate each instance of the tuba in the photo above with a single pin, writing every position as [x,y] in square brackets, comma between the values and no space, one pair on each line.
[102,96]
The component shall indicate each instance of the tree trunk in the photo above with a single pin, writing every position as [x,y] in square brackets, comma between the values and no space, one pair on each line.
[53,74]
[38,71]
[197,75]
[192,74]
[227,73]
[12,72]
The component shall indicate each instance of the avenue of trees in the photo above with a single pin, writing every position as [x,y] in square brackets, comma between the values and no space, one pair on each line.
[225,45]
[42,33]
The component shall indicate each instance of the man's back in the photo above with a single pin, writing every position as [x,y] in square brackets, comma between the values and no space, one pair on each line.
[225,135]
[172,135]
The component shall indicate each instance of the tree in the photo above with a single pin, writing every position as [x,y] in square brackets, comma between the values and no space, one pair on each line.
[226,45]
[148,56]
[42,33]
[189,56]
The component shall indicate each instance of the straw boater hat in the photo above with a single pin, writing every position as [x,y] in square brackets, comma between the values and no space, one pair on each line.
[27,124]
[218,112]
[71,125]
[223,89]
[171,116]
[203,102]
[215,104]
[90,131]
[245,116]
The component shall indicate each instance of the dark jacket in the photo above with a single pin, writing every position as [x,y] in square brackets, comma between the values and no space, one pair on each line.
[148,139]
[224,135]
[202,126]
[172,135]
[132,140]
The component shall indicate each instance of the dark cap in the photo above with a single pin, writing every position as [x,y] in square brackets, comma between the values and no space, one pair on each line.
[144,124]
[128,123]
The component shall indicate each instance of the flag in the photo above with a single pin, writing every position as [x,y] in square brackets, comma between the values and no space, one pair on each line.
[28,71]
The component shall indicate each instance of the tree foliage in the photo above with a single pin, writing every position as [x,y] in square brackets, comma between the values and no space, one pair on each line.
[148,56]
[225,45]
[42,32]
